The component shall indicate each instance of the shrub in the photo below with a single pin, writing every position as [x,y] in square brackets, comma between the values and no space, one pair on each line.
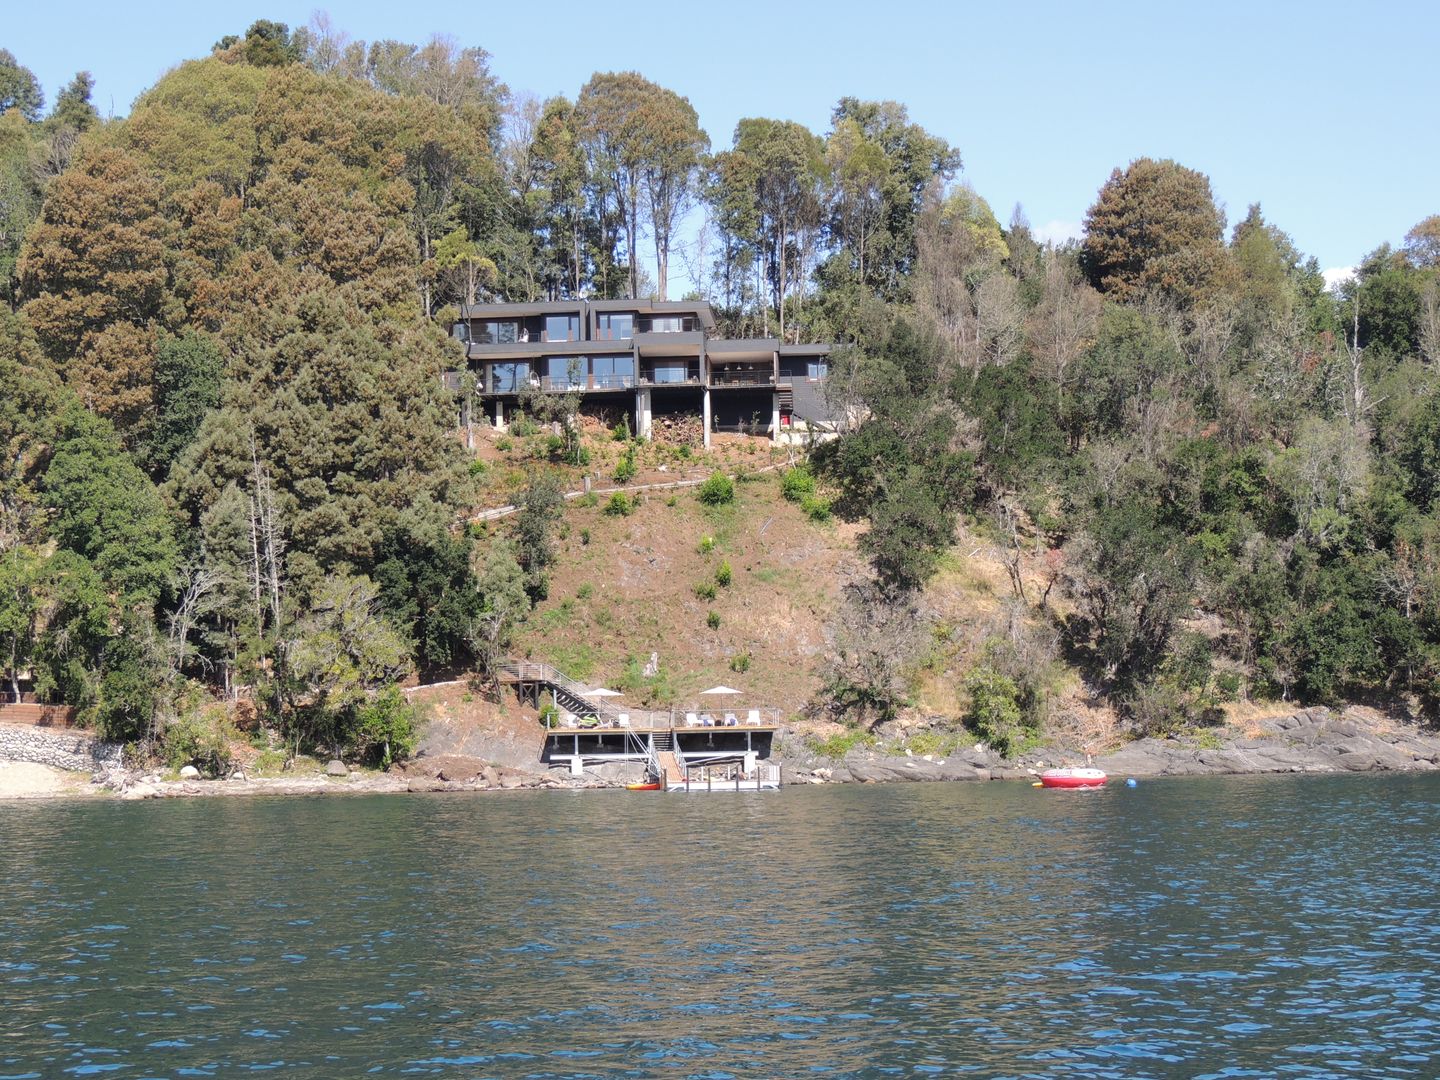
[621,431]
[994,714]
[588,500]
[522,426]
[707,545]
[549,715]
[585,591]
[717,490]
[584,537]
[815,507]
[740,663]
[705,590]
[620,505]
[797,483]
[201,738]
[625,469]
[385,729]
[837,746]
[672,502]
[478,467]
[504,443]
[712,620]
[723,575]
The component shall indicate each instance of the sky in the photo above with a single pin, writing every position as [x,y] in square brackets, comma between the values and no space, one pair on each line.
[1324,113]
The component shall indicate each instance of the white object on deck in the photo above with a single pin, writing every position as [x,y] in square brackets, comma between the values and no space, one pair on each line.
[623,719]
[691,720]
[753,716]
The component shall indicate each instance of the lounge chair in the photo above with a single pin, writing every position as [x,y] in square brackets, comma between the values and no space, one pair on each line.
[753,716]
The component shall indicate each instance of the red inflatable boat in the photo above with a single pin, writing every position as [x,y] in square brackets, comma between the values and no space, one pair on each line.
[1072,778]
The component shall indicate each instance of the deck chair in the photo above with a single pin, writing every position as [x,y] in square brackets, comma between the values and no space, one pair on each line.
[753,716]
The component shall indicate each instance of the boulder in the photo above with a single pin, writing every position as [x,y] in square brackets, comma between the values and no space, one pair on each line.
[189,772]
[336,768]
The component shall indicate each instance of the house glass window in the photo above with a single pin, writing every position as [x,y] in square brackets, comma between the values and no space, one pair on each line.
[509,378]
[564,373]
[817,369]
[562,328]
[671,371]
[614,326]
[460,331]
[669,324]
[613,372]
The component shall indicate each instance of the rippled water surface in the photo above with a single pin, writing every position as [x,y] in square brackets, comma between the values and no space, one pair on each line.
[1216,928]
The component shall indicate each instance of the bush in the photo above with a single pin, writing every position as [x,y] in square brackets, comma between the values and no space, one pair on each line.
[585,591]
[705,590]
[707,545]
[621,431]
[718,490]
[723,575]
[201,738]
[478,467]
[815,507]
[995,714]
[522,426]
[837,746]
[620,505]
[384,730]
[797,483]
[712,620]
[625,469]
[584,537]
[740,663]
[549,715]
[504,443]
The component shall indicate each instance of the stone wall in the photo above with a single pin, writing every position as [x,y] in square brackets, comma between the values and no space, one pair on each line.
[72,750]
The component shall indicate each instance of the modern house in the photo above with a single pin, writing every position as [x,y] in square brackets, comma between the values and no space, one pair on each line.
[648,358]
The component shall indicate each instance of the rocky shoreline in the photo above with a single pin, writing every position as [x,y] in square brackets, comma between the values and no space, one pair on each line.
[1307,741]
[1313,740]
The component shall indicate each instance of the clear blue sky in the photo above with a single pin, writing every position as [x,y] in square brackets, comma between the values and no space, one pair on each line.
[1325,113]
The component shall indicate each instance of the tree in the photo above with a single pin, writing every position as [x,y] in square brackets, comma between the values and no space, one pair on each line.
[534,544]
[188,372]
[646,141]
[1154,226]
[106,510]
[1063,324]
[1422,243]
[903,468]
[19,89]
[466,270]
[428,591]
[337,654]
[95,274]
[502,586]
[876,636]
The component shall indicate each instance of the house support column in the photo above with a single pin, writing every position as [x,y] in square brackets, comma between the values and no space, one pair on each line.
[705,416]
[642,413]
[775,417]
[499,415]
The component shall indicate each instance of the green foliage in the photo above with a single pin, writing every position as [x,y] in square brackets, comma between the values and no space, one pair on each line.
[723,574]
[620,505]
[585,591]
[625,469]
[712,620]
[817,509]
[384,729]
[717,490]
[740,663]
[797,483]
[838,745]
[705,590]
[540,511]
[429,592]
[706,545]
[201,737]
[994,713]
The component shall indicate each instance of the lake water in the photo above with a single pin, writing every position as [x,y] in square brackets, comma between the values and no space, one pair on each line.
[1188,928]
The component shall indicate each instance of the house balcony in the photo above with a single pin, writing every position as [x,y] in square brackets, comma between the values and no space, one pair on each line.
[721,377]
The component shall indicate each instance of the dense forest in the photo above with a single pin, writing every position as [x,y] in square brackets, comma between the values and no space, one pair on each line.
[231,470]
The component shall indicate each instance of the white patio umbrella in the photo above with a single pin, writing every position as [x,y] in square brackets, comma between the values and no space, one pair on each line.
[721,690]
[601,691]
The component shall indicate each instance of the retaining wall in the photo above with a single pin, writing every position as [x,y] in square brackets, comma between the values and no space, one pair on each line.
[72,750]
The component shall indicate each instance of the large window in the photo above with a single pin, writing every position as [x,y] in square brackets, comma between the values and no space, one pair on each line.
[613,372]
[614,326]
[460,331]
[817,369]
[509,378]
[564,373]
[671,371]
[495,332]
[562,327]
[668,324]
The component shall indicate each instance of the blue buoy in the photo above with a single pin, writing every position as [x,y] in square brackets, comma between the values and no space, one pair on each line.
[1130,782]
